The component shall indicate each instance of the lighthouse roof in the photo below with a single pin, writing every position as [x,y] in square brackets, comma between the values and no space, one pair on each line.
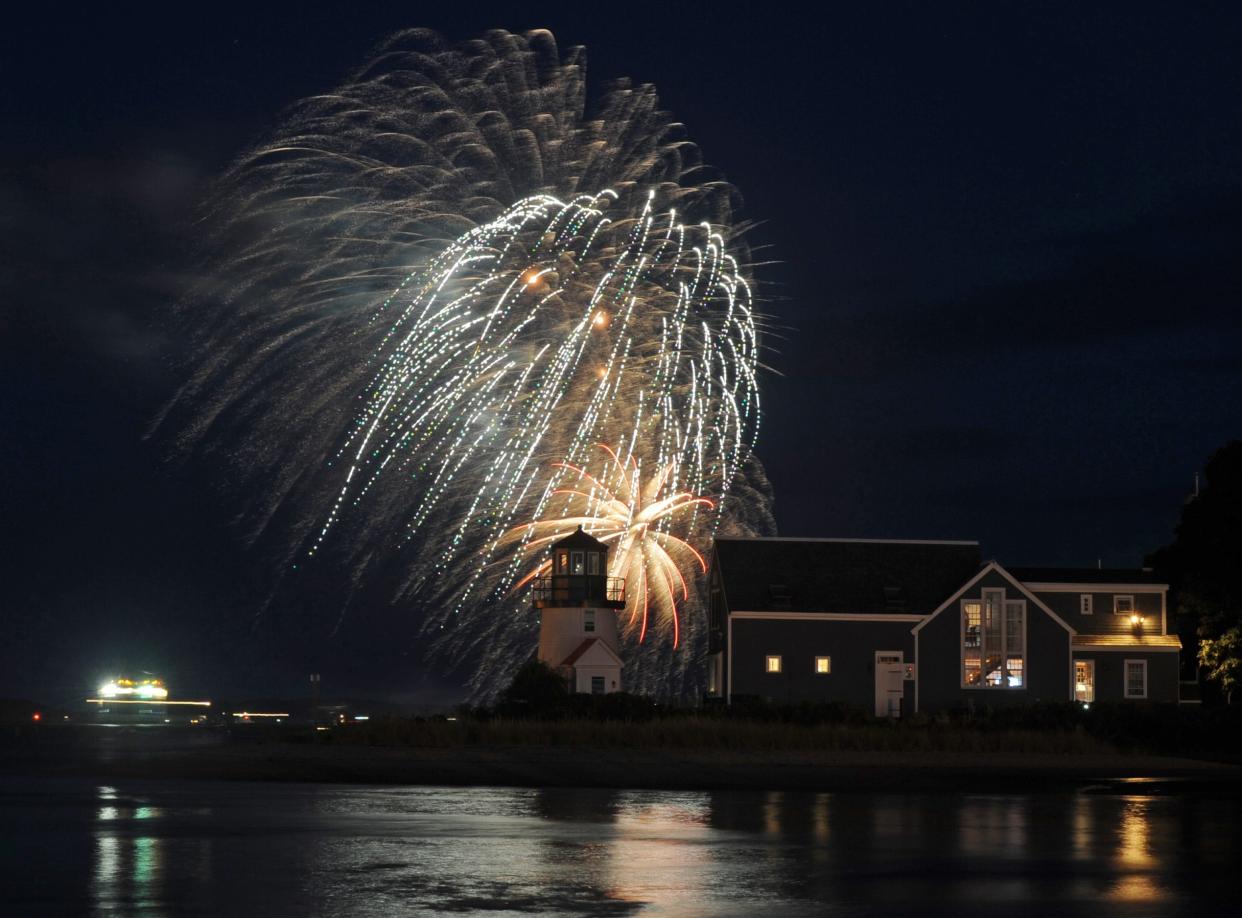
[592,651]
[580,539]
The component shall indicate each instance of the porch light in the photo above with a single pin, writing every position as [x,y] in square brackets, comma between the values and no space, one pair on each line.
[1136,620]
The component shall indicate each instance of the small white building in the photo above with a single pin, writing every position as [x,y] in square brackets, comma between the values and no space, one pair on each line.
[578,604]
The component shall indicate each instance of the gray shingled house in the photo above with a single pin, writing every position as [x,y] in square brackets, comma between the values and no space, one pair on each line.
[893,625]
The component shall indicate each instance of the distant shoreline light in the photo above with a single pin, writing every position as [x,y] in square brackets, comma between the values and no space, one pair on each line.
[146,689]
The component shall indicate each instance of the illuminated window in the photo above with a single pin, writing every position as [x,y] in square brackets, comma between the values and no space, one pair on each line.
[971,667]
[1013,668]
[562,562]
[1136,678]
[1084,604]
[823,665]
[1015,642]
[588,621]
[773,664]
[1084,681]
[1123,605]
[994,642]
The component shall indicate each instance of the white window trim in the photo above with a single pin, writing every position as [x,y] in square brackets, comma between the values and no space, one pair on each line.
[961,643]
[1125,680]
[1090,666]
[767,664]
[1116,601]
[826,672]
[961,639]
[1086,604]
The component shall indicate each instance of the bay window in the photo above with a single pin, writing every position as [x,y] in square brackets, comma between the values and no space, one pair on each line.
[994,642]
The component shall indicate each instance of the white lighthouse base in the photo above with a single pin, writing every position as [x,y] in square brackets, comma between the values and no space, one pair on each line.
[581,643]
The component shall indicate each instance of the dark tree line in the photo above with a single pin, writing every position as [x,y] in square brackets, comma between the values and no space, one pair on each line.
[1204,568]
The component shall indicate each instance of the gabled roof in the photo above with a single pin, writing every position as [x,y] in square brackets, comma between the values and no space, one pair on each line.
[585,647]
[842,575]
[995,567]
[1128,576]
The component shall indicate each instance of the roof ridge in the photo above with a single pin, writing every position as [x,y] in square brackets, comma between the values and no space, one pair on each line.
[579,651]
[848,540]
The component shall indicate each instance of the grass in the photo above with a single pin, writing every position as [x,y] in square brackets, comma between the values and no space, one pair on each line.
[690,733]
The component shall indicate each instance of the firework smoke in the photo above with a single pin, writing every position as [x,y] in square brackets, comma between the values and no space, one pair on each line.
[433,292]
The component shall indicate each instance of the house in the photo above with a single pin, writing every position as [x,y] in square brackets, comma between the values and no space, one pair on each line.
[577,604]
[916,625]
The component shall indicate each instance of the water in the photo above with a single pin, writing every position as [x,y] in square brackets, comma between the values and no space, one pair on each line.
[73,847]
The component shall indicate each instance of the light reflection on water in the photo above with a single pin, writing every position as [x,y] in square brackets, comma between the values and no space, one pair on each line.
[240,849]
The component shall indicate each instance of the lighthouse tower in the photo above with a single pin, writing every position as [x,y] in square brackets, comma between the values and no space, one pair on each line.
[577,604]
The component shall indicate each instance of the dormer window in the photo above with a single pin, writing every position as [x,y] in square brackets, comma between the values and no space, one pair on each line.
[781,595]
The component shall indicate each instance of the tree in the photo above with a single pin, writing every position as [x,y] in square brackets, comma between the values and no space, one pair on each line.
[1204,566]
[536,689]
[1221,659]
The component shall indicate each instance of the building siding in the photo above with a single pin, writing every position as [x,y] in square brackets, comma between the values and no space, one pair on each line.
[851,645]
[1103,620]
[1047,669]
[1162,674]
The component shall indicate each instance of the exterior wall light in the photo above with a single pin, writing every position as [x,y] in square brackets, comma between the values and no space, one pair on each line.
[1136,620]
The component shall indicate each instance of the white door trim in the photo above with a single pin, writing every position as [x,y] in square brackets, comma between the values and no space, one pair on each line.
[885,709]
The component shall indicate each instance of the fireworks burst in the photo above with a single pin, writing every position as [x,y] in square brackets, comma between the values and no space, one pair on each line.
[637,518]
[444,279]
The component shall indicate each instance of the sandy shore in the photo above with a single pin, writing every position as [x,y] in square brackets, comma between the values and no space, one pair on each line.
[120,754]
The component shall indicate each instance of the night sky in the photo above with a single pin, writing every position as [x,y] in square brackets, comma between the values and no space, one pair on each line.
[1004,247]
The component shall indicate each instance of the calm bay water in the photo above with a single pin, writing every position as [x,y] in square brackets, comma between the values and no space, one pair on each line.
[71,847]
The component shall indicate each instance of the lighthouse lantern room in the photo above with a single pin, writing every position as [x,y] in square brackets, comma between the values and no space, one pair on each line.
[578,603]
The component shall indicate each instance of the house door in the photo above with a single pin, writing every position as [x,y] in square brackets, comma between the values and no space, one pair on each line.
[1084,681]
[889,687]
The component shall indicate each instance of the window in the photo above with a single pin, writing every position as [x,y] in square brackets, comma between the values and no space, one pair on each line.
[1123,605]
[1013,668]
[994,642]
[1084,681]
[773,664]
[1084,604]
[971,666]
[1015,641]
[593,562]
[597,685]
[894,599]
[1136,678]
[562,562]
[588,621]
[823,665]
[576,565]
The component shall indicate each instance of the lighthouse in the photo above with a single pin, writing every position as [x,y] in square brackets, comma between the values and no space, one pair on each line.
[577,604]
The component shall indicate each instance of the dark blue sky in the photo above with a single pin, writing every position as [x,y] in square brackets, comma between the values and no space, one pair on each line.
[1006,257]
